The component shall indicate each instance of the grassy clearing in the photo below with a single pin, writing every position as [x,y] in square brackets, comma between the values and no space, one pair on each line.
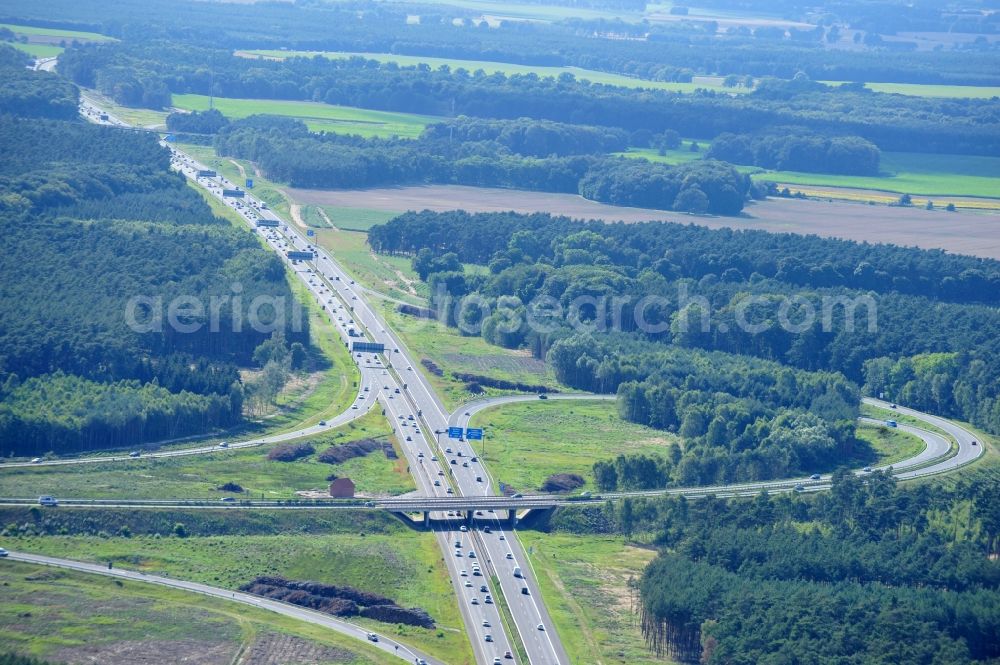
[53,33]
[318,117]
[527,442]
[357,219]
[64,615]
[453,352]
[903,172]
[198,476]
[391,275]
[585,582]
[507,69]
[406,566]
[681,155]
[890,445]
[38,50]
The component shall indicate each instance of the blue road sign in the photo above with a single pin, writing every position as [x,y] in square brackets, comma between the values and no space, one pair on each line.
[310,233]
[474,433]
[249,183]
[169,137]
[454,432]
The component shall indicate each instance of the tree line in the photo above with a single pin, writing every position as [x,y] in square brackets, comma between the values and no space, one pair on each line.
[867,572]
[286,151]
[791,149]
[660,51]
[100,218]
[892,122]
[703,301]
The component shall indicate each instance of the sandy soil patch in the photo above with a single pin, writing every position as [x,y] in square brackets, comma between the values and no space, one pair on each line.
[963,232]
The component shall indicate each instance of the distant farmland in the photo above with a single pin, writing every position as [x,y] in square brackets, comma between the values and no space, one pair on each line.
[318,117]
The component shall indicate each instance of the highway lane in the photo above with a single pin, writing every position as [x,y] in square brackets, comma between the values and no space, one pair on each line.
[473,480]
[338,294]
[384,643]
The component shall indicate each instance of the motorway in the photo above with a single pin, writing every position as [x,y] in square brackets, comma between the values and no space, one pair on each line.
[384,643]
[451,468]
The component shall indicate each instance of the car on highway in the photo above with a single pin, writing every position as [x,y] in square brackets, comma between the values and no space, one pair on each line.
[36,460]
[510,555]
[463,528]
[524,591]
[227,499]
[372,637]
[450,491]
[437,483]
[134,454]
[815,476]
[224,444]
[488,637]
[488,599]
[409,438]
[517,496]
[46,500]
[322,423]
[3,552]
[867,469]
[486,624]
[543,396]
[474,601]
[508,654]
[483,588]
[800,488]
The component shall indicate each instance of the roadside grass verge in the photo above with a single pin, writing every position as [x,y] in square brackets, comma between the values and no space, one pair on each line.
[391,275]
[406,566]
[199,476]
[60,614]
[263,189]
[453,352]
[585,582]
[526,442]
[146,118]
[319,117]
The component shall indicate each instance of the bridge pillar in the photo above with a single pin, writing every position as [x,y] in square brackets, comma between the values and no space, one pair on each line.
[469,514]
[427,519]
[512,517]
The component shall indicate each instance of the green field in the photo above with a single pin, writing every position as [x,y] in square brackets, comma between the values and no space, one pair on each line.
[527,442]
[509,69]
[932,90]
[198,476]
[403,565]
[318,117]
[903,172]
[585,583]
[53,33]
[67,615]
[38,50]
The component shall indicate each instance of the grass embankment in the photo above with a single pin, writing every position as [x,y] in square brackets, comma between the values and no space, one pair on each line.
[391,275]
[527,442]
[453,352]
[67,615]
[403,565]
[585,582]
[137,117]
[236,171]
[199,476]
[889,444]
[318,117]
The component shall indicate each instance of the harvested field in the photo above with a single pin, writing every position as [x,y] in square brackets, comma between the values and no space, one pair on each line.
[963,232]
[278,649]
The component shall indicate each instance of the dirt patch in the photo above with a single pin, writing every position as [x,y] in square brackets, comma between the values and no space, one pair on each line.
[296,211]
[347,451]
[966,233]
[275,649]
[149,652]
